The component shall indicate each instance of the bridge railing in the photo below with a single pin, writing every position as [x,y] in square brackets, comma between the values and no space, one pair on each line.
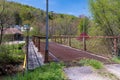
[102,45]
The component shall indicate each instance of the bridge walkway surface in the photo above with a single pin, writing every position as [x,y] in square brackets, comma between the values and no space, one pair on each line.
[66,53]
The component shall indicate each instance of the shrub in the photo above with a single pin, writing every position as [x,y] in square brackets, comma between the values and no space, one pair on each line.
[116,59]
[11,53]
[91,62]
[52,71]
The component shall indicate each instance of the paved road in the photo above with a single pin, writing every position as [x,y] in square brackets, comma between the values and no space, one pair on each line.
[65,53]
[83,73]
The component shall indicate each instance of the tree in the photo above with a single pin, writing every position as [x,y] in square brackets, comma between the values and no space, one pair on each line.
[84,24]
[107,17]
[6,20]
[2,5]
[18,20]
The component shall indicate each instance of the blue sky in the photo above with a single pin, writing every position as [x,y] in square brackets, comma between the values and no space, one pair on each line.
[73,7]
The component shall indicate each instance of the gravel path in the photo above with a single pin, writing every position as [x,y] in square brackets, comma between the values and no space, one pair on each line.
[83,73]
[114,69]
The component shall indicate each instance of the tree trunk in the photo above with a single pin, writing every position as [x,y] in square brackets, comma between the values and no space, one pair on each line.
[1,34]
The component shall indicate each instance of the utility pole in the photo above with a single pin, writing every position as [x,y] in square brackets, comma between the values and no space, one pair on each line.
[27,40]
[84,41]
[52,22]
[27,28]
[47,33]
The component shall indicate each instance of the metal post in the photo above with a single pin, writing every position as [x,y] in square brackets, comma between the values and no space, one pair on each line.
[27,47]
[115,46]
[52,23]
[33,39]
[47,33]
[61,39]
[69,40]
[84,40]
[38,44]
[55,38]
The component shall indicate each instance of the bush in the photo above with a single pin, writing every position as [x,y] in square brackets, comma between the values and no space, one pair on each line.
[90,62]
[11,53]
[52,71]
[116,59]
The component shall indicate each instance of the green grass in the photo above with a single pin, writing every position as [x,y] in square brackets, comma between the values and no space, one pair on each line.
[52,71]
[93,45]
[116,59]
[90,62]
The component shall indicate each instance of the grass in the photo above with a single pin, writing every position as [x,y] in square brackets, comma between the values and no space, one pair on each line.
[116,59]
[52,71]
[93,45]
[90,62]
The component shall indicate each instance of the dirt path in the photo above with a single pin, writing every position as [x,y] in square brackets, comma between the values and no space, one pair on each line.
[65,53]
[114,69]
[88,73]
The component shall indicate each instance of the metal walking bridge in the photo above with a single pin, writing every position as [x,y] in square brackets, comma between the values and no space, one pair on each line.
[59,51]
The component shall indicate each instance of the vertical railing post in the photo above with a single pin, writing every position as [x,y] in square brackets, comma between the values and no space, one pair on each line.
[33,39]
[64,39]
[115,45]
[61,39]
[38,44]
[84,43]
[55,38]
[69,40]
[36,41]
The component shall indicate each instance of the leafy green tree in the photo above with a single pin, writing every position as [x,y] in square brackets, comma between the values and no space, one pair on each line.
[18,20]
[84,24]
[106,14]
[6,20]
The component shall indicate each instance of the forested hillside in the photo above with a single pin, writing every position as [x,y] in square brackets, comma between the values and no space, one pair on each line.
[19,14]
[103,22]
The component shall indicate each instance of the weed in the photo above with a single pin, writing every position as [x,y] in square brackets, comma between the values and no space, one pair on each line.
[91,62]
[116,59]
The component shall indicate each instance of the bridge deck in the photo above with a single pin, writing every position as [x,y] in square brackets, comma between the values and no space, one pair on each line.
[65,53]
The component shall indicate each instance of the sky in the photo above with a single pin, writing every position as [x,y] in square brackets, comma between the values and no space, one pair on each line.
[72,7]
